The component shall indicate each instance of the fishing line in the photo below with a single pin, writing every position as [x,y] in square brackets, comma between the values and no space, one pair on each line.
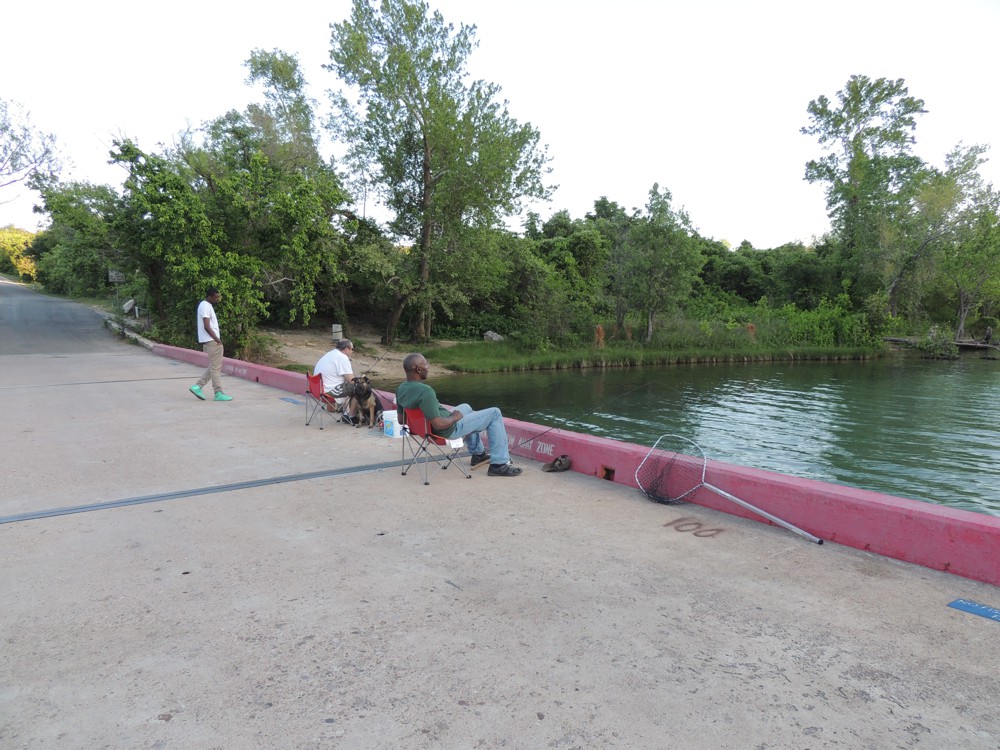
[372,365]
[586,412]
[90,382]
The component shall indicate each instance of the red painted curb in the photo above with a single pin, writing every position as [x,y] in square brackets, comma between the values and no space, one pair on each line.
[935,536]
[294,382]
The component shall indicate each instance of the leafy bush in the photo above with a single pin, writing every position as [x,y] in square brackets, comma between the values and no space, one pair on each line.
[260,347]
[473,325]
[938,343]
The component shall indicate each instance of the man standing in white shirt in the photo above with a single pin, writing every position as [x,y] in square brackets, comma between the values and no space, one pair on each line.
[338,372]
[211,342]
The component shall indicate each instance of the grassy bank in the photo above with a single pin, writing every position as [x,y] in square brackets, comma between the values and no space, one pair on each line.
[482,356]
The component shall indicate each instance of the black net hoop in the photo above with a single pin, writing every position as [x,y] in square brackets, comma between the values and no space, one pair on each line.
[672,470]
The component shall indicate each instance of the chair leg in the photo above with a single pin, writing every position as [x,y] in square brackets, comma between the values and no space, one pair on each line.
[453,457]
[422,464]
[409,442]
[423,454]
[314,409]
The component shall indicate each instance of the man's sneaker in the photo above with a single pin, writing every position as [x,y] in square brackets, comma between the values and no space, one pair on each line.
[196,390]
[503,470]
[349,420]
[220,396]
[478,459]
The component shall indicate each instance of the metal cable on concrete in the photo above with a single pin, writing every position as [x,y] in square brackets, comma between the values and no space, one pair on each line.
[34,515]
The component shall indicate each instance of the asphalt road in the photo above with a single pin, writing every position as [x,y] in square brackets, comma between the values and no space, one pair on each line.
[33,323]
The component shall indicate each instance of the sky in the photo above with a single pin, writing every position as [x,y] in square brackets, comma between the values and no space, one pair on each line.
[704,97]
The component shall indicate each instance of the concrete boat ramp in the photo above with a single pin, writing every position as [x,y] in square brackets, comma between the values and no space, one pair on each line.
[219,575]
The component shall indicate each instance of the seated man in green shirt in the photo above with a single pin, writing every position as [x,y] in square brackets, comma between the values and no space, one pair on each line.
[462,423]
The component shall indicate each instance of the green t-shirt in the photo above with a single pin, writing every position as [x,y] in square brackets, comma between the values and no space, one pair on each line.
[412,394]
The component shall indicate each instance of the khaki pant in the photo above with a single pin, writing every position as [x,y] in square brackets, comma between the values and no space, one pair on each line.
[214,370]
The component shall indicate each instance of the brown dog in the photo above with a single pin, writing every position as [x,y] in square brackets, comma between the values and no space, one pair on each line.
[366,400]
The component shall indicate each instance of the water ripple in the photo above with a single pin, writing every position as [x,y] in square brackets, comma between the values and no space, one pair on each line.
[905,427]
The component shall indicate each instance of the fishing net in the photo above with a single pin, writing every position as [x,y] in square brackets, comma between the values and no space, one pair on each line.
[672,470]
[675,467]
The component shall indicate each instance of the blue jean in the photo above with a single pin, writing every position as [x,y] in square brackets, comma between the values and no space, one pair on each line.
[488,420]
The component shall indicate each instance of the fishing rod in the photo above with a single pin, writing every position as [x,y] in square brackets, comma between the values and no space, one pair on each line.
[372,365]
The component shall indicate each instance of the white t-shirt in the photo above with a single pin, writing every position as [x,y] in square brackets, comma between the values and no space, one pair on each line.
[205,310]
[333,366]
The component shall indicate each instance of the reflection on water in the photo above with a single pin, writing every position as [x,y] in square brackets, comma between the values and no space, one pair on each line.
[904,426]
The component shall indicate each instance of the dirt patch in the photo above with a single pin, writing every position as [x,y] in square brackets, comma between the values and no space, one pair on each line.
[382,364]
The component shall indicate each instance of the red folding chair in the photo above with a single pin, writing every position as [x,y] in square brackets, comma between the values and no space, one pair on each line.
[317,401]
[422,444]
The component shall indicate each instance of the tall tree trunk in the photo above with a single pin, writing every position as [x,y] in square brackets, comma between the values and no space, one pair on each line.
[422,327]
[399,304]
[620,312]
[154,281]
[965,305]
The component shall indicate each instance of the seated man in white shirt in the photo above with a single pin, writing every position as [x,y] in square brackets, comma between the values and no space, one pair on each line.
[336,369]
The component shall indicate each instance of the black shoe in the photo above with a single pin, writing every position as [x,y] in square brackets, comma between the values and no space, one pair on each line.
[503,470]
[349,420]
[478,459]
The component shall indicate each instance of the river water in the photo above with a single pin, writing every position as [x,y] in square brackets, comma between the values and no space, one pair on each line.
[904,426]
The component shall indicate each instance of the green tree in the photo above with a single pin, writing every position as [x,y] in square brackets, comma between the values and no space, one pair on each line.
[268,193]
[969,257]
[538,298]
[75,253]
[908,247]
[14,252]
[24,150]
[938,256]
[661,260]
[578,260]
[796,274]
[365,274]
[285,121]
[443,153]
[469,277]
[614,224]
[740,272]
[868,170]
[560,224]
[162,228]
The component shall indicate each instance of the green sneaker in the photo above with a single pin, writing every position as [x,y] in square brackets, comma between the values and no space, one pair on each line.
[220,396]
[196,390]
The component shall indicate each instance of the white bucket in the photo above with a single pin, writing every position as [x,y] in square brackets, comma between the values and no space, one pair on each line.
[391,422]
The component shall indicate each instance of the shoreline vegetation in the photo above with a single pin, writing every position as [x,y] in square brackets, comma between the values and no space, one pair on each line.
[481,357]
[490,357]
